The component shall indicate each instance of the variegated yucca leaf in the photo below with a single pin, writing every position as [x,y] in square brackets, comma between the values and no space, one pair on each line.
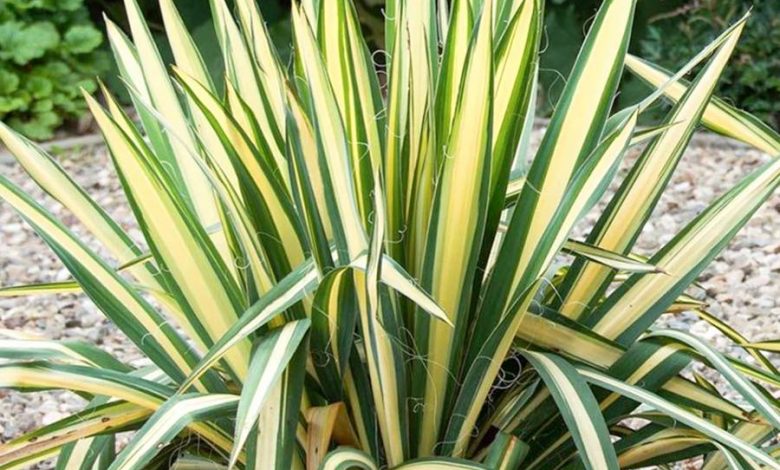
[80,427]
[167,421]
[347,264]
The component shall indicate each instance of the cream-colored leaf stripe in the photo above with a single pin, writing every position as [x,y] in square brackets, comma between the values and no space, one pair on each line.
[580,411]
[638,298]
[620,223]
[268,362]
[680,414]
[460,201]
[352,260]
[570,138]
[718,115]
[184,247]
[165,423]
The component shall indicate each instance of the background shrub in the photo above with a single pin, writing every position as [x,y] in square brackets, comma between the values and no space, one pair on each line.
[275,12]
[753,80]
[49,49]
[669,33]
[56,43]
[198,21]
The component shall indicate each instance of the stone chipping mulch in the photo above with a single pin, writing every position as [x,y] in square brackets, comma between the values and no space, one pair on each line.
[742,285]
[24,258]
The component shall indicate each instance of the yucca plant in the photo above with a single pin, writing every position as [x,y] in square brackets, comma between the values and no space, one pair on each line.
[341,274]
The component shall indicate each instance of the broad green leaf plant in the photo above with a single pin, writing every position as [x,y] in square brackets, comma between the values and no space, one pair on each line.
[49,51]
[353,266]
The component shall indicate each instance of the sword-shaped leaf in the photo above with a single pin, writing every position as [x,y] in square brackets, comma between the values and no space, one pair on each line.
[355,86]
[641,299]
[460,202]
[628,211]
[91,453]
[380,325]
[257,83]
[718,116]
[110,292]
[286,293]
[270,358]
[80,426]
[735,336]
[738,381]
[151,79]
[53,179]
[179,242]
[168,421]
[331,137]
[579,344]
[680,414]
[753,433]
[78,352]
[608,258]
[574,132]
[579,409]
[279,431]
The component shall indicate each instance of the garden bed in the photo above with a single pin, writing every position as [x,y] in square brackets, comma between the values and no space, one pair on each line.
[742,286]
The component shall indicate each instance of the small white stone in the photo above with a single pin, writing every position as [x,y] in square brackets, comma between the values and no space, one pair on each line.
[52,417]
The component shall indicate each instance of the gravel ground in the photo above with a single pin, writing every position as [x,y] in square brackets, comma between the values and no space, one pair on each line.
[24,258]
[742,285]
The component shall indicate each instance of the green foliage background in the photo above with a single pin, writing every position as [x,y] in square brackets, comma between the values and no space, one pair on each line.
[197,16]
[567,22]
[753,79]
[669,33]
[49,50]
